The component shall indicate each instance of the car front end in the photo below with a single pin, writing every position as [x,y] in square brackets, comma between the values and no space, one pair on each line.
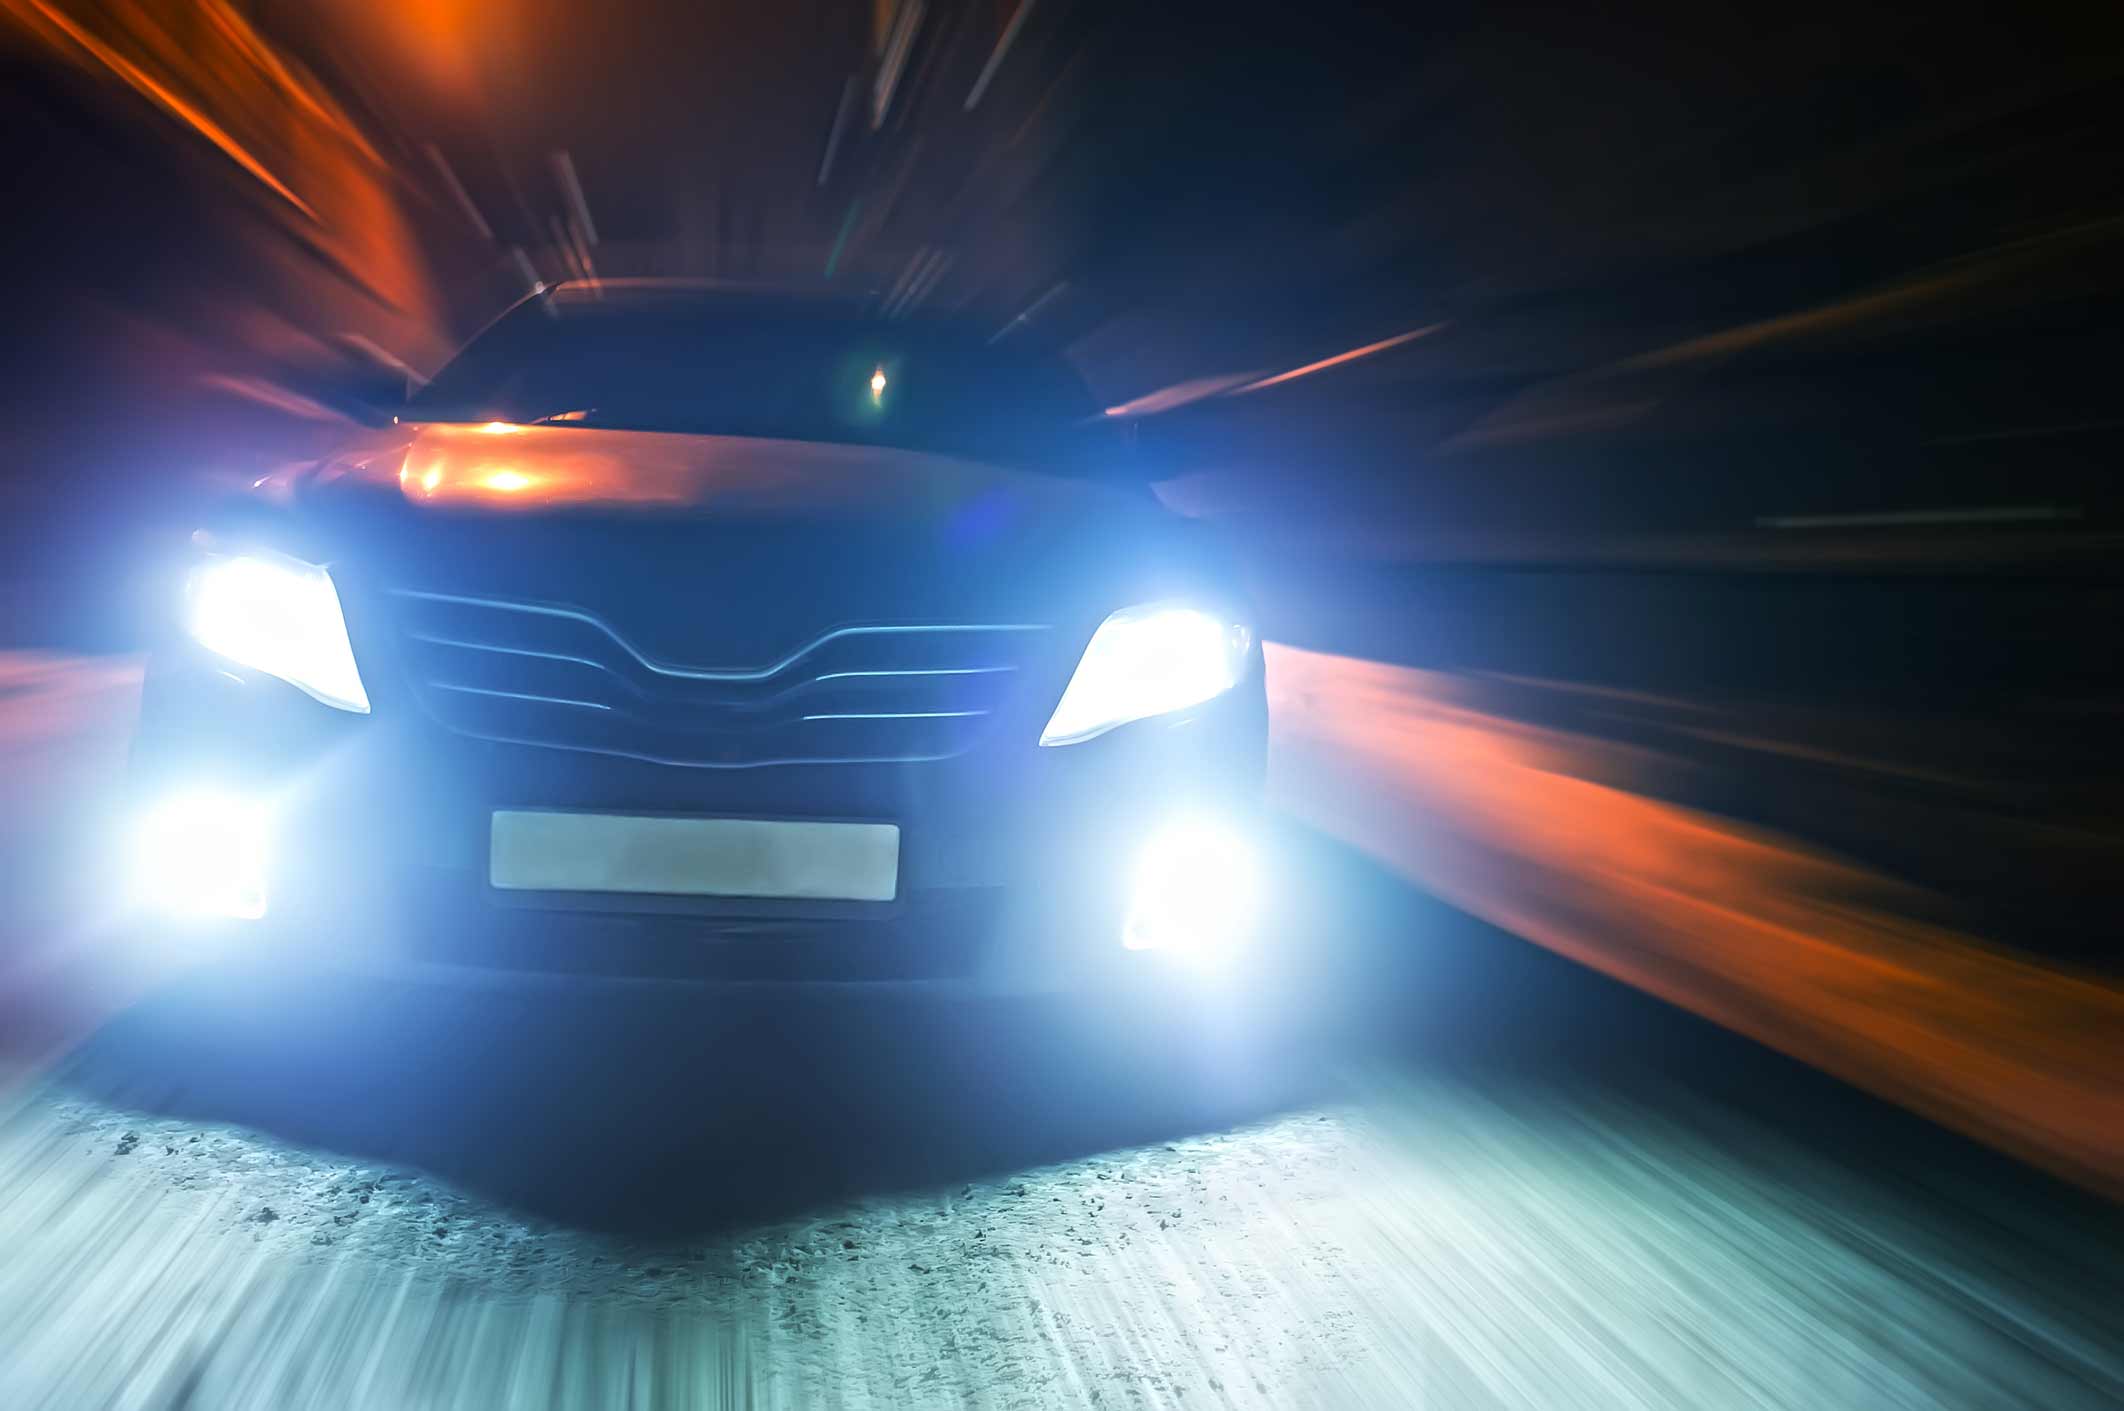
[408,714]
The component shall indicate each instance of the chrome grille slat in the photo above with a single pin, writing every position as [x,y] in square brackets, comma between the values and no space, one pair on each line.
[898,715]
[917,671]
[683,762]
[518,696]
[435,641]
[563,678]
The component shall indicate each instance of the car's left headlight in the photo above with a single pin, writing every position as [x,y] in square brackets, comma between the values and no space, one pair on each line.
[277,615]
[1145,661]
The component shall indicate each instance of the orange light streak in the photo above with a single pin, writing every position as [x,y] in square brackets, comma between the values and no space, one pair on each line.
[1340,358]
[143,82]
[1539,831]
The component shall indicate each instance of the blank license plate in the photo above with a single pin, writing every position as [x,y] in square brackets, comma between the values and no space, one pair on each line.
[697,857]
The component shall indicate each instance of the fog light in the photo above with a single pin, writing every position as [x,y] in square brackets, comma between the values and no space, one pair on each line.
[1196,892]
[202,855]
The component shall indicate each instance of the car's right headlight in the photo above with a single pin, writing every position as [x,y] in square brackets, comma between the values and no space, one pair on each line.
[1145,661]
[277,615]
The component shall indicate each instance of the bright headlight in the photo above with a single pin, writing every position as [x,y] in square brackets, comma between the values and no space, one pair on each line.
[278,615]
[1146,661]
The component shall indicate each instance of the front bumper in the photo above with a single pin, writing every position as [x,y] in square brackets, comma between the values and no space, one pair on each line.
[1015,861]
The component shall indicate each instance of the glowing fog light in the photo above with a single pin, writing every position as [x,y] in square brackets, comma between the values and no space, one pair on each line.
[202,855]
[1196,892]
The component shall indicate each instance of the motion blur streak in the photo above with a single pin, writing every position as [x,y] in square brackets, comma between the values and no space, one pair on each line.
[207,67]
[1347,357]
[1549,835]
[64,723]
[162,94]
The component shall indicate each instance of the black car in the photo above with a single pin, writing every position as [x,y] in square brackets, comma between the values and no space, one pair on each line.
[683,631]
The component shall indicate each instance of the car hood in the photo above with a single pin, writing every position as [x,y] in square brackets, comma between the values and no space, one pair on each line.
[724,550]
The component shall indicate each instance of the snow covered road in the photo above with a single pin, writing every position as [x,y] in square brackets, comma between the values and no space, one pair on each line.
[1417,1240]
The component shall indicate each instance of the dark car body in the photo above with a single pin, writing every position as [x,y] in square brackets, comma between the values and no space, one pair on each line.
[582,616]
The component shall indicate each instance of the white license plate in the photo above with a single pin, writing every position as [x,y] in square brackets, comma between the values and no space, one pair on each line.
[542,851]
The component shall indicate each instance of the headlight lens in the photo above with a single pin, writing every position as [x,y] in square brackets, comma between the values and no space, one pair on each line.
[1145,661]
[278,615]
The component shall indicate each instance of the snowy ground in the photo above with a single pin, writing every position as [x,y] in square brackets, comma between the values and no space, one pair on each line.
[1422,1241]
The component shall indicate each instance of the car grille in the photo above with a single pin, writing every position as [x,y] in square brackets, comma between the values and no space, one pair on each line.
[546,675]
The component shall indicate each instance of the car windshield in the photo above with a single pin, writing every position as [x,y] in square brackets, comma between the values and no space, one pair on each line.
[726,368]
